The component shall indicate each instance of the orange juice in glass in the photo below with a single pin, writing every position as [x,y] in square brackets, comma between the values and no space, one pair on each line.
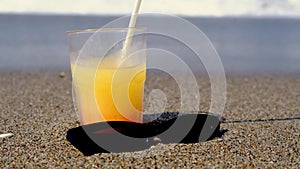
[107,85]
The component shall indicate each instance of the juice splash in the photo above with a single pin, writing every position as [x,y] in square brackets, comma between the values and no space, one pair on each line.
[108,93]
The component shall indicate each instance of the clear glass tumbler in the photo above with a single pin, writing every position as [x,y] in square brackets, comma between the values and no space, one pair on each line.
[108,79]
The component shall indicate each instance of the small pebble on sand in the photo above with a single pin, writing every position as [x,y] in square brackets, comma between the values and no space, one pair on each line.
[6,135]
[62,74]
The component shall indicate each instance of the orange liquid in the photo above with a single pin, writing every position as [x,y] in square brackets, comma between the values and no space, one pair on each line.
[109,94]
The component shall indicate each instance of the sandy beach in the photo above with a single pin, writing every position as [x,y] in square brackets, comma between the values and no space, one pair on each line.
[262,118]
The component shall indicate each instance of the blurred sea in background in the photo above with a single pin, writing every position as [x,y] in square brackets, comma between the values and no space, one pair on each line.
[245,45]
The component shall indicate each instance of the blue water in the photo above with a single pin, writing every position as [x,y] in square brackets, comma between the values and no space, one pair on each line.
[245,45]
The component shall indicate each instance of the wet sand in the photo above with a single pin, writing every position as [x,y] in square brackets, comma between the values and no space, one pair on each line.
[262,118]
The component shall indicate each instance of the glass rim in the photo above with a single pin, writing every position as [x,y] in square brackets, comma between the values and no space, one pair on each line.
[70,32]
